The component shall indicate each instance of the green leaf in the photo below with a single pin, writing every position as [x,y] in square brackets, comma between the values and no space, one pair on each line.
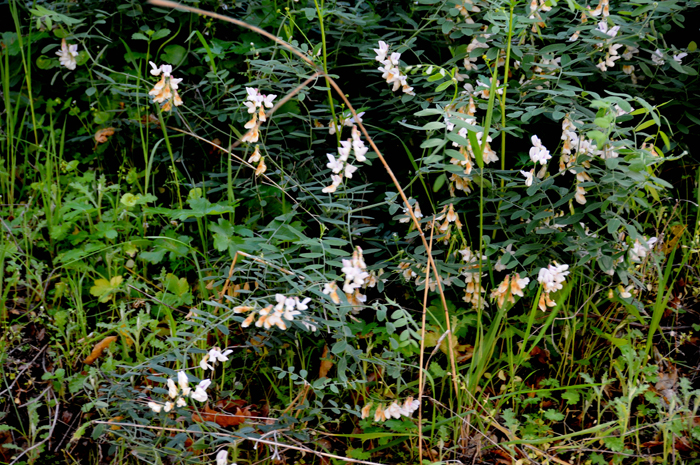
[44,62]
[176,286]
[159,34]
[571,397]
[138,36]
[553,415]
[174,54]
[474,142]
[434,125]
[310,13]
[443,86]
[104,289]
[433,143]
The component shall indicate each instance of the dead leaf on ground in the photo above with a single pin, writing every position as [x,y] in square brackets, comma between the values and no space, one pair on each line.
[222,419]
[542,355]
[99,348]
[102,135]
[326,363]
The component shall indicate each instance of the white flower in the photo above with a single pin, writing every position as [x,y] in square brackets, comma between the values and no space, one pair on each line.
[332,127]
[335,165]
[349,169]
[350,121]
[302,305]
[336,182]
[67,54]
[215,354]
[267,100]
[603,27]
[629,52]
[204,365]
[167,69]
[358,146]
[181,402]
[538,152]
[200,393]
[174,82]
[172,389]
[155,407]
[155,70]
[552,277]
[679,57]
[183,382]
[222,457]
[528,176]
[658,57]
[381,51]
[625,292]
[394,411]
[168,406]
[344,149]
[411,405]
[640,250]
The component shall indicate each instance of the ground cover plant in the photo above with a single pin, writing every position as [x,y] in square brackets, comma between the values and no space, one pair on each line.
[443,231]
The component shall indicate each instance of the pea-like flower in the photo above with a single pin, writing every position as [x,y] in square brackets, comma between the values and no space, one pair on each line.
[538,152]
[200,391]
[256,104]
[67,54]
[165,90]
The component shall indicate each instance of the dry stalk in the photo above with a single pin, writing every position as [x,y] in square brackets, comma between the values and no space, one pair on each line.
[422,347]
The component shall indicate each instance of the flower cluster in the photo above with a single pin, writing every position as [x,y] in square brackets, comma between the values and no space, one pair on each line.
[390,68]
[165,90]
[214,355]
[180,391]
[256,103]
[286,309]
[472,277]
[67,54]
[535,9]
[256,157]
[611,54]
[341,167]
[345,120]
[538,152]
[394,410]
[508,288]
[552,279]
[415,207]
[640,250]
[356,277]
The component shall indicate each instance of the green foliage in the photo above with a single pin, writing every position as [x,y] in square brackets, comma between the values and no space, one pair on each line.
[152,191]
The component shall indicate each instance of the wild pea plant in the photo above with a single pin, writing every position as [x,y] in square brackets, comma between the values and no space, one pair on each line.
[244,235]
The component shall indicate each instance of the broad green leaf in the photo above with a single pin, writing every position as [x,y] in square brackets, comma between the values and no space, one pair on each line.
[104,289]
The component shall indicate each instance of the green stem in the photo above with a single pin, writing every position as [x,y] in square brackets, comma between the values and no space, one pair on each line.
[325,68]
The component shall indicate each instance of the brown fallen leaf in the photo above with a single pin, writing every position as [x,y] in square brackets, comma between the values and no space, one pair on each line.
[98,349]
[222,419]
[326,363]
[102,135]
[115,419]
